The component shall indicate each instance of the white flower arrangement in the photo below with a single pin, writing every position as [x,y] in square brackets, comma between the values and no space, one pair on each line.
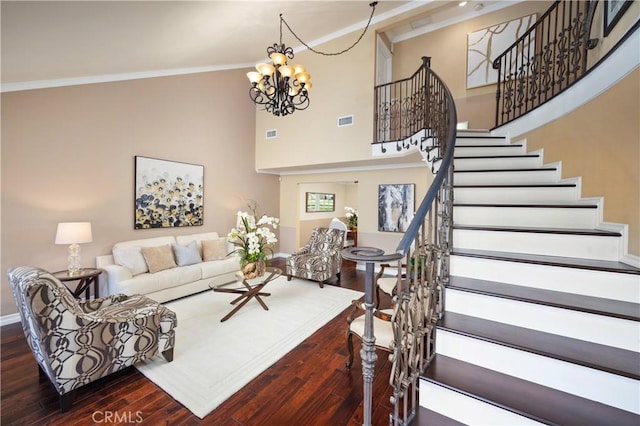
[352,216]
[253,239]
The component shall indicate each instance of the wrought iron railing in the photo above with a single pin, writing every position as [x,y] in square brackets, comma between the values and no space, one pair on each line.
[548,58]
[422,256]
[399,112]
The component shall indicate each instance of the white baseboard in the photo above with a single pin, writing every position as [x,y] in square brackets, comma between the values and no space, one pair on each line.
[631,259]
[9,319]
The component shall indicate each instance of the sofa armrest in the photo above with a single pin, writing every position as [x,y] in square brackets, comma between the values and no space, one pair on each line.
[115,275]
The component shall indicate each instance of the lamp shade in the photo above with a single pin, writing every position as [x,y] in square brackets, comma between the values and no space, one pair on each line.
[74,232]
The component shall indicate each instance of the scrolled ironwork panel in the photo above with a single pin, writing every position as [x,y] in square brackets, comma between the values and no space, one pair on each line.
[530,75]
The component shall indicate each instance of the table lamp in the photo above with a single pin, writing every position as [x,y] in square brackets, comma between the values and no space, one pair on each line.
[74,233]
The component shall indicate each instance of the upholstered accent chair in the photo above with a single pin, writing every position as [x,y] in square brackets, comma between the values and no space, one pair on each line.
[319,259]
[77,342]
[338,224]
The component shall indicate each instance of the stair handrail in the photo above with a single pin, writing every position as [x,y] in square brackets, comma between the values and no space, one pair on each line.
[546,60]
[421,257]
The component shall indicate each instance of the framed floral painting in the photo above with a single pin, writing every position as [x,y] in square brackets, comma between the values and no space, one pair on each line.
[168,194]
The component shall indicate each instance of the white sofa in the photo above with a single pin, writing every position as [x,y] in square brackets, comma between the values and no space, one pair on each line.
[127,272]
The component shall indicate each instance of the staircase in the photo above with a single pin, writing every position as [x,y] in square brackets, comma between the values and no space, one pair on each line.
[542,321]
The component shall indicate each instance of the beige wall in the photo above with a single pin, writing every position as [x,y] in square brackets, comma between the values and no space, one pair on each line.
[342,85]
[601,142]
[346,194]
[447,48]
[366,201]
[68,155]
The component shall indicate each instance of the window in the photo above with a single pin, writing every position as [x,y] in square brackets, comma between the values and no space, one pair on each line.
[320,202]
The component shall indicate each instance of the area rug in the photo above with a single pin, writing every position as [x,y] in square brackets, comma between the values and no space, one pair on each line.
[213,359]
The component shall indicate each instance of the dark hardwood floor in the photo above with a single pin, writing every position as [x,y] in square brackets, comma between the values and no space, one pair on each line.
[309,386]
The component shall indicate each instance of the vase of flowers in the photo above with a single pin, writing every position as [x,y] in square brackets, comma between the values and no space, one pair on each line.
[254,240]
[352,217]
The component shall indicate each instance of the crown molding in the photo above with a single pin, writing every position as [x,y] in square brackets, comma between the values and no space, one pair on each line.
[107,78]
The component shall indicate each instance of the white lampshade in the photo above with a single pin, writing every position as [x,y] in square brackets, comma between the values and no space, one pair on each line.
[74,232]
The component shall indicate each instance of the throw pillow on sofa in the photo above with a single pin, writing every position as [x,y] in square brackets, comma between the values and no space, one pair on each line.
[186,255]
[214,249]
[158,258]
[131,258]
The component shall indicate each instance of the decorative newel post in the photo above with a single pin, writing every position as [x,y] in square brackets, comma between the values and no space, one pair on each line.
[368,351]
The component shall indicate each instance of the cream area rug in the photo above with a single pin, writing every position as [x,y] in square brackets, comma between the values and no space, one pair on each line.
[213,359]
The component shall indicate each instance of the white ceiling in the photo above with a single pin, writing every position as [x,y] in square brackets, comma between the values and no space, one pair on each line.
[58,41]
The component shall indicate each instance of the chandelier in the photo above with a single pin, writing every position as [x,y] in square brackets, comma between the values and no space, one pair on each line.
[282,88]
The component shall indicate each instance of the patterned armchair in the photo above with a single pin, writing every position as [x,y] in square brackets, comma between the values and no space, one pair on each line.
[76,342]
[320,258]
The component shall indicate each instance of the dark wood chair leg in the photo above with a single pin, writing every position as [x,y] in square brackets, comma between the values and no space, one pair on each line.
[288,277]
[66,400]
[338,275]
[321,283]
[350,348]
[168,355]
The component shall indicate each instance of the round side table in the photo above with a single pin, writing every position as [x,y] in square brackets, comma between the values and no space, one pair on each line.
[85,278]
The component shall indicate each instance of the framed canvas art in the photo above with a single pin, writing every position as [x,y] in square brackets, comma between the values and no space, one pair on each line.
[396,204]
[168,194]
[613,11]
[485,45]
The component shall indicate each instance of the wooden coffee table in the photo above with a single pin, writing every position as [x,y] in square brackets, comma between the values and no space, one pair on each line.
[247,289]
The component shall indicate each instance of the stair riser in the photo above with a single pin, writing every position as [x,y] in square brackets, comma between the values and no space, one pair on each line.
[579,246]
[617,391]
[506,178]
[480,141]
[516,195]
[467,151]
[543,217]
[616,332]
[497,163]
[607,285]
[465,409]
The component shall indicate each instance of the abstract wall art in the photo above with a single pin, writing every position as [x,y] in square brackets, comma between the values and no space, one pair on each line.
[168,194]
[613,11]
[396,204]
[484,46]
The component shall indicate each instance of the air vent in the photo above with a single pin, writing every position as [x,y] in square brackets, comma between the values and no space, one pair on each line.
[347,120]
[271,134]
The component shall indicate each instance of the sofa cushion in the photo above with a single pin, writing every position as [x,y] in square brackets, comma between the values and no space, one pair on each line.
[158,258]
[169,278]
[219,267]
[186,255]
[129,253]
[186,239]
[131,258]
[214,249]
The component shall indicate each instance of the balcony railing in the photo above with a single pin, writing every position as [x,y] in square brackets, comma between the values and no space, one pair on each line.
[549,58]
[420,105]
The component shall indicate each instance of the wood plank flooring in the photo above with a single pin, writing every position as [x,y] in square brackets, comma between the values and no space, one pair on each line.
[309,386]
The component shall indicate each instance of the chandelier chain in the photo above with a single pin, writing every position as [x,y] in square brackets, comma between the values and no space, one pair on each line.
[282,20]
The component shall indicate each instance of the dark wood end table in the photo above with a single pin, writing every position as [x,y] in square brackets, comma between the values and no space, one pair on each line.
[247,289]
[85,278]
